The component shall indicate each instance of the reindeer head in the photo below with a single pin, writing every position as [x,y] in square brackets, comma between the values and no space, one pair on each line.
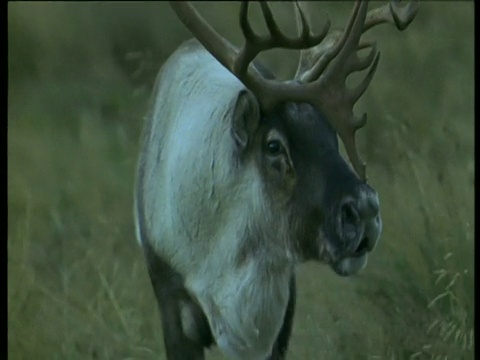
[289,129]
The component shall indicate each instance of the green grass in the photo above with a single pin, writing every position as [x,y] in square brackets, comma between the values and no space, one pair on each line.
[79,80]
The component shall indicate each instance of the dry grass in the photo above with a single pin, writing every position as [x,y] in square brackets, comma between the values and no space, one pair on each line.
[79,78]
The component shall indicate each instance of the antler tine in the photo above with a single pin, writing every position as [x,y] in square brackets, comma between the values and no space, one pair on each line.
[331,50]
[251,47]
[394,13]
[372,59]
[403,16]
[247,30]
[351,149]
[301,20]
[304,73]
[349,42]
[305,32]
[255,44]
[270,22]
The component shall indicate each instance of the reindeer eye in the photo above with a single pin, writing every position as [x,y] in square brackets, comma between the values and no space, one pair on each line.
[274,147]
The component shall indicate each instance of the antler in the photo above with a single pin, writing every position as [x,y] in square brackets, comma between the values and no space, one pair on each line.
[322,70]
[255,44]
[334,98]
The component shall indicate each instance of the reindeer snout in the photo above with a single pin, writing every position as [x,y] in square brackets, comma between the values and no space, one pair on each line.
[360,222]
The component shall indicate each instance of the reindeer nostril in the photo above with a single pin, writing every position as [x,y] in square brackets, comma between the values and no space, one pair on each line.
[359,223]
[349,220]
[349,214]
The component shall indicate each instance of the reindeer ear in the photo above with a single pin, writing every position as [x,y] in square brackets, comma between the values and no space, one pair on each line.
[245,118]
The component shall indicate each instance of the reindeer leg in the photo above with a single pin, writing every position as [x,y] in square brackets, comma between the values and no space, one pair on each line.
[174,304]
[281,344]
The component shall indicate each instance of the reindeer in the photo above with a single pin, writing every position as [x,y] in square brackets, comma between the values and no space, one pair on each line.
[240,179]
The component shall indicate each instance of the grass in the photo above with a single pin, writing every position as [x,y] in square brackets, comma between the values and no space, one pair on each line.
[79,80]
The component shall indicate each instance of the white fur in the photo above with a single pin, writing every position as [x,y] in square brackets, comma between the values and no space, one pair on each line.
[198,206]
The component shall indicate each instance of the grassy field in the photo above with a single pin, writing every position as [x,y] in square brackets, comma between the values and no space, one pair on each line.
[79,77]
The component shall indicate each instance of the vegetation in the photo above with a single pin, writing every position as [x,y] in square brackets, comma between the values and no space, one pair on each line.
[79,78]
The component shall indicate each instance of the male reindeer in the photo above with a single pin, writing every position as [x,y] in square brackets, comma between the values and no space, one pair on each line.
[240,178]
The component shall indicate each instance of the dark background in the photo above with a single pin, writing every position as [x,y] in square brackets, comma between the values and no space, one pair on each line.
[80,75]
